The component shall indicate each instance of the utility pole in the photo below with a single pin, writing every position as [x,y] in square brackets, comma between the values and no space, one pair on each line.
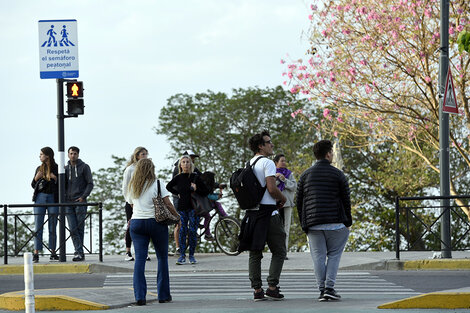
[446,251]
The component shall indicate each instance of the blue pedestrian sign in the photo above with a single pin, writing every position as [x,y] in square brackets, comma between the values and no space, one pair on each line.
[58,49]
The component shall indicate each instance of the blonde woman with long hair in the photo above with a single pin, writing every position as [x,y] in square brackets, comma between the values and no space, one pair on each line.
[183,184]
[143,187]
[45,191]
[139,153]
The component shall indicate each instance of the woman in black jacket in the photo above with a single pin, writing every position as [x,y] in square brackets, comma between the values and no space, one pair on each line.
[183,184]
[45,191]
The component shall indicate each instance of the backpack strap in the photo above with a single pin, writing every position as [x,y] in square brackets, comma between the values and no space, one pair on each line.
[253,165]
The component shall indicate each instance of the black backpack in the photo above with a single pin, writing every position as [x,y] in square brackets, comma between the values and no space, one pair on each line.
[246,186]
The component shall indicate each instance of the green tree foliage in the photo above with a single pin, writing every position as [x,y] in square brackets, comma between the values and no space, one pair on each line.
[107,190]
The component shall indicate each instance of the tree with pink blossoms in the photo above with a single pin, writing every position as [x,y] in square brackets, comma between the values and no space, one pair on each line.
[373,71]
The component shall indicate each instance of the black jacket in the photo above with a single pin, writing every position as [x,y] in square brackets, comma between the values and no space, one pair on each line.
[323,196]
[181,185]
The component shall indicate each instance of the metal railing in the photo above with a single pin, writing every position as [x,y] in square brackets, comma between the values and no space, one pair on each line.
[419,224]
[19,217]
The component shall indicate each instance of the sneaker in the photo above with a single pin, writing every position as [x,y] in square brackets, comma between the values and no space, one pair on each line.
[35,258]
[79,258]
[148,258]
[209,238]
[181,260]
[259,296]
[192,260]
[322,298]
[166,300]
[274,294]
[331,294]
[141,302]
[54,257]
[129,257]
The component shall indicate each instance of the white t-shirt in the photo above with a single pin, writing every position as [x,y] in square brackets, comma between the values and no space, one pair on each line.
[143,206]
[126,178]
[262,169]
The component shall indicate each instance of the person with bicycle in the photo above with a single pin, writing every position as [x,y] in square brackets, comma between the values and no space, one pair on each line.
[209,180]
[183,184]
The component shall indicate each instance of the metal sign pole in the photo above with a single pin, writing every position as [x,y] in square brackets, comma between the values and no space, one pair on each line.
[446,251]
[61,144]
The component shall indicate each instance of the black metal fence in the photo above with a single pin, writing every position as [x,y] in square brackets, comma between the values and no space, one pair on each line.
[418,219]
[20,219]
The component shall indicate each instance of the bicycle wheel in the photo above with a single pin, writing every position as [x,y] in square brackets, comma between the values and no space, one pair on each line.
[226,235]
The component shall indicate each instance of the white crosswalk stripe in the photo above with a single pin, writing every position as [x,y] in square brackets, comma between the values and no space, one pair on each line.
[292,283]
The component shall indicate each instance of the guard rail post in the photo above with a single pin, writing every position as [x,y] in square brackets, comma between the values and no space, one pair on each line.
[100,218]
[5,235]
[397,228]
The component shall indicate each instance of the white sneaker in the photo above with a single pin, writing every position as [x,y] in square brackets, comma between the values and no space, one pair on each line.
[129,257]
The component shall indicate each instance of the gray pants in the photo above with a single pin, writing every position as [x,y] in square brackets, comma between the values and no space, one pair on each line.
[327,244]
[276,240]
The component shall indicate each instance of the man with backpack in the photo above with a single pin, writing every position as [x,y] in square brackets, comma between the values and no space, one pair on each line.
[262,223]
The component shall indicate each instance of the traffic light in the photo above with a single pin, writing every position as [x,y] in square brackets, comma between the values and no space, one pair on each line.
[75,104]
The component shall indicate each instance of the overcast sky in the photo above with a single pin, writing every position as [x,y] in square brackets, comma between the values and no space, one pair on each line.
[133,56]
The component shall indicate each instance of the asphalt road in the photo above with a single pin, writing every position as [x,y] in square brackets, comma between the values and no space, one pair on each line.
[362,291]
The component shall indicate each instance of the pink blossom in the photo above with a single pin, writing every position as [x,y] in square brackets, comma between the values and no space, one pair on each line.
[313,7]
[340,119]
[427,79]
[368,89]
[428,12]
[326,112]
[460,28]
[335,134]
[363,62]
[380,119]
[323,32]
[371,125]
[460,10]
[346,31]
[366,37]
[290,75]
[284,82]
[283,61]
[311,83]
[310,17]
[451,30]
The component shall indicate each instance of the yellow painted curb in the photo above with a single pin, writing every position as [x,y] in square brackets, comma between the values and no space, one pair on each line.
[437,264]
[46,269]
[434,300]
[14,301]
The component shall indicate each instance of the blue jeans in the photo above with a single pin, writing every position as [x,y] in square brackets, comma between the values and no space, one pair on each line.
[189,225]
[52,213]
[76,218]
[327,244]
[142,230]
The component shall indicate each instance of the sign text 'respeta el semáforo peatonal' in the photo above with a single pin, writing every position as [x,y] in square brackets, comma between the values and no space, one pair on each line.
[58,49]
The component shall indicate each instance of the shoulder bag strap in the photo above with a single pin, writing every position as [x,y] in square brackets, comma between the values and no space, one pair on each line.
[159,190]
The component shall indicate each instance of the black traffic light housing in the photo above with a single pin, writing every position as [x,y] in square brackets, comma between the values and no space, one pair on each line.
[75,104]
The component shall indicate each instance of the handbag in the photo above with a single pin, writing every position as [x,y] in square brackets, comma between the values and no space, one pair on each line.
[200,204]
[39,187]
[162,212]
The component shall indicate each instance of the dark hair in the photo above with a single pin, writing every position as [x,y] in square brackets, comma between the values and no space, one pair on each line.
[321,149]
[278,157]
[49,152]
[258,140]
[73,148]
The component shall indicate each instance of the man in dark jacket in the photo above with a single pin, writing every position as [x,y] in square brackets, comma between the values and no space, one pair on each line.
[324,207]
[79,184]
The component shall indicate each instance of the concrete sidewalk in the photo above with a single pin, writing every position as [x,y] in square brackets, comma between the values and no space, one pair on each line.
[105,298]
